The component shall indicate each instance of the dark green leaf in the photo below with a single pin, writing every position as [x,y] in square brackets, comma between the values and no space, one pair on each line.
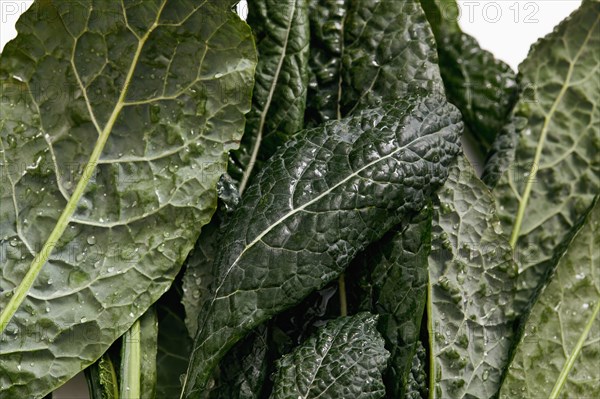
[112,142]
[472,279]
[320,199]
[102,379]
[344,359]
[386,52]
[282,32]
[556,168]
[174,345]
[244,368]
[502,153]
[393,285]
[482,87]
[557,356]
[326,44]
[198,275]
[417,385]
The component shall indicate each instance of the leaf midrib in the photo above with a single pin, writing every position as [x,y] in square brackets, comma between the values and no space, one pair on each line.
[63,221]
[542,140]
[570,363]
[302,207]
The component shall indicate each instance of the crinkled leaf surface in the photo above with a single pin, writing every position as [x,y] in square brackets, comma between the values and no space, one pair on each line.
[556,169]
[393,284]
[320,199]
[344,359]
[417,383]
[366,52]
[112,142]
[472,286]
[557,355]
[199,274]
[482,87]
[282,31]
[326,43]
[243,370]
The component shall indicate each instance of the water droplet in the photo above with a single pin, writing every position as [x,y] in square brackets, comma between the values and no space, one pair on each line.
[47,309]
[13,243]
[486,375]
[131,314]
[91,240]
[83,319]
[161,248]
[110,269]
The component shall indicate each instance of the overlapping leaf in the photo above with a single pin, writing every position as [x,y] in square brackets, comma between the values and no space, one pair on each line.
[112,141]
[282,31]
[344,359]
[472,287]
[482,87]
[244,369]
[367,52]
[557,355]
[556,169]
[174,344]
[393,284]
[320,200]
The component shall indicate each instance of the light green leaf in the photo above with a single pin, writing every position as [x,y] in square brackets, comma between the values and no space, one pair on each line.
[138,358]
[557,356]
[102,379]
[556,168]
[319,200]
[472,283]
[344,359]
[112,140]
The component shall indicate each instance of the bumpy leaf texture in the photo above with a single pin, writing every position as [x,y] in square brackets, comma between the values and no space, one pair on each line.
[367,52]
[556,168]
[281,29]
[393,284]
[320,199]
[482,87]
[344,359]
[417,385]
[112,140]
[472,285]
[557,356]
[244,369]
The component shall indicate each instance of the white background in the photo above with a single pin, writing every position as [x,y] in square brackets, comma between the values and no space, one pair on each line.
[507,28]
